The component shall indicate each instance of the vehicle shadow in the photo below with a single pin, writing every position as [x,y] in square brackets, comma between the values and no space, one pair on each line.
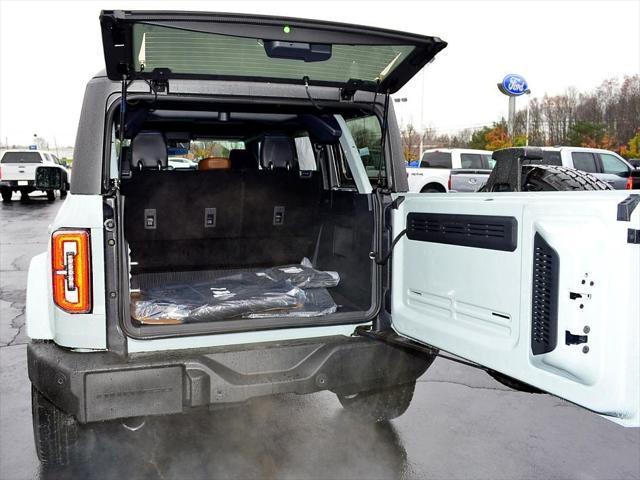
[32,200]
[275,437]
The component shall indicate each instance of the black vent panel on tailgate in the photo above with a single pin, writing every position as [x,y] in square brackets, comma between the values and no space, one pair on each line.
[544,298]
[480,231]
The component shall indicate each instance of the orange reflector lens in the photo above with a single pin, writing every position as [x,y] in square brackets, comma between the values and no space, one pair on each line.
[71,270]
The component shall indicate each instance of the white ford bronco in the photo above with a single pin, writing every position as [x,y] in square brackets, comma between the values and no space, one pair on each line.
[292,258]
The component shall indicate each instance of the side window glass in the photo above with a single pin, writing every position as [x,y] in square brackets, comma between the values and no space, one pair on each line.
[471,160]
[367,134]
[488,162]
[553,158]
[436,160]
[584,161]
[612,164]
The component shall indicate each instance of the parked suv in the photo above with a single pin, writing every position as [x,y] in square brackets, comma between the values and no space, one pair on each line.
[432,175]
[292,259]
[18,173]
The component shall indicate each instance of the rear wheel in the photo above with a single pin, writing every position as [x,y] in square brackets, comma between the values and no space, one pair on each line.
[63,191]
[59,439]
[381,404]
[51,195]
[432,189]
[544,178]
[6,195]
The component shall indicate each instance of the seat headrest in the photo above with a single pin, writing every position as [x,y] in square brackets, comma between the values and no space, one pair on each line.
[214,163]
[242,159]
[149,151]
[277,151]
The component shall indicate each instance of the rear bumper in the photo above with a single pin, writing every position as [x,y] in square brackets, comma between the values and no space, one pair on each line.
[100,386]
[14,184]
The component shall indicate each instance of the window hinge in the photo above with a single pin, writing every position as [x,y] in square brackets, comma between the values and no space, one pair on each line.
[349,90]
[633,236]
[160,80]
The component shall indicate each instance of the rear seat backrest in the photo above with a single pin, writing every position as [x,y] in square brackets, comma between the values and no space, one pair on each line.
[242,159]
[278,203]
[261,216]
[277,151]
[149,151]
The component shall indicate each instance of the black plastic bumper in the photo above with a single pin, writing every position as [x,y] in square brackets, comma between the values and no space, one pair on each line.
[14,184]
[100,386]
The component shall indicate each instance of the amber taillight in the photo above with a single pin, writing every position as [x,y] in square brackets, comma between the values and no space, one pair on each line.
[71,269]
[629,185]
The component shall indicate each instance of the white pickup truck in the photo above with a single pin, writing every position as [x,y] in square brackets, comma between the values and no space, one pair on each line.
[605,165]
[18,173]
[433,173]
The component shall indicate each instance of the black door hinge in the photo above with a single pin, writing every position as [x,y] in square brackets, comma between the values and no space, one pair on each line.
[349,90]
[633,236]
[160,80]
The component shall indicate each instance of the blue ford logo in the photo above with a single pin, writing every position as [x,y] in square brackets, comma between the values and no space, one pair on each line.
[513,84]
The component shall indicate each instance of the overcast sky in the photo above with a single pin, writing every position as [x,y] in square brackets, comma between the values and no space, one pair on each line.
[50,49]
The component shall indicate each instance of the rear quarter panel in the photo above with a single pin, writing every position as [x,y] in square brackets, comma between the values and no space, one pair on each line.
[44,319]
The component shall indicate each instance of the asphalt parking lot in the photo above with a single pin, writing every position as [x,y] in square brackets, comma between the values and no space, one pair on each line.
[461,424]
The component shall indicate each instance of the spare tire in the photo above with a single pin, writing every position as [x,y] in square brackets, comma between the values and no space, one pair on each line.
[546,178]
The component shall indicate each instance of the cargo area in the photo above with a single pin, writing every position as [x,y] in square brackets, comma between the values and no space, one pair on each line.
[267,227]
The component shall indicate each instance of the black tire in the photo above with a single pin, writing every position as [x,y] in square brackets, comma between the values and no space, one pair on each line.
[6,195]
[63,191]
[431,190]
[51,195]
[380,405]
[58,438]
[545,178]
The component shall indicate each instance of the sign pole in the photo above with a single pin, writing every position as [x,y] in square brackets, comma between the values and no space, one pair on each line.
[513,86]
[512,115]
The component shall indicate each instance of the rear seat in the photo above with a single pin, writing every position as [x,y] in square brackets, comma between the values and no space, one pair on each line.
[278,201]
[237,216]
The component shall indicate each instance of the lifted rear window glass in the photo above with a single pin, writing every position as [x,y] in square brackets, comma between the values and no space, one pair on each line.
[224,55]
[436,160]
[21,157]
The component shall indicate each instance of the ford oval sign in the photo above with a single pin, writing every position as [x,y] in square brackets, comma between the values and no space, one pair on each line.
[514,85]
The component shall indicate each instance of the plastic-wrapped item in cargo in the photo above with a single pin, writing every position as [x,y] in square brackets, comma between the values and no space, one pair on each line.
[303,275]
[272,292]
[317,302]
[213,301]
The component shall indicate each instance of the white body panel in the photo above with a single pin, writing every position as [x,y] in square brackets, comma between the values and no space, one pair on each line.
[419,178]
[39,307]
[66,329]
[446,295]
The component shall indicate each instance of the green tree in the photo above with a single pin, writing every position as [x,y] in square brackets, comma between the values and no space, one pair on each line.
[478,138]
[586,134]
[632,149]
